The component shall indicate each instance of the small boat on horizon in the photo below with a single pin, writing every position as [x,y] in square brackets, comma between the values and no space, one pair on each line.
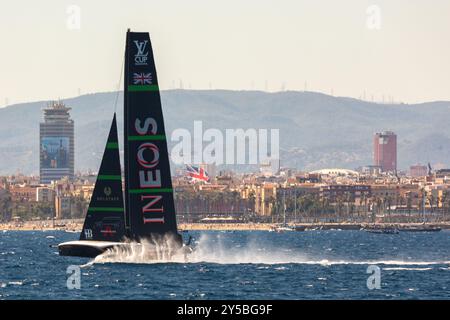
[283,228]
[382,230]
[420,229]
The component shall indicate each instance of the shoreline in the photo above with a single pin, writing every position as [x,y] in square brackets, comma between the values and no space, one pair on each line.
[77,226]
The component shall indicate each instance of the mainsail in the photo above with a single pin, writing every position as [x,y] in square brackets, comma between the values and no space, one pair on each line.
[149,204]
[149,212]
[105,216]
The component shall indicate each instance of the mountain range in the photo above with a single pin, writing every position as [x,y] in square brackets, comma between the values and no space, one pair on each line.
[316,130]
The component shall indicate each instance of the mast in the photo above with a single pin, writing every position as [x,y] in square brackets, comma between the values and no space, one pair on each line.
[295,205]
[284,207]
[149,203]
[125,138]
[424,194]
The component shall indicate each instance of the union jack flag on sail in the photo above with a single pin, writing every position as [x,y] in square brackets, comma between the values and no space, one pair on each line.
[197,174]
[142,78]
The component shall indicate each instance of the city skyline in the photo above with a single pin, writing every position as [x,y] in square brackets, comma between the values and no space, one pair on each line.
[369,50]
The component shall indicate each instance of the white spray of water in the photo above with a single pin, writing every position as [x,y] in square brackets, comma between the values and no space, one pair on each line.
[212,250]
[155,249]
[407,269]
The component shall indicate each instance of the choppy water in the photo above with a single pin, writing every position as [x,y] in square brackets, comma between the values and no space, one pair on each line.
[237,265]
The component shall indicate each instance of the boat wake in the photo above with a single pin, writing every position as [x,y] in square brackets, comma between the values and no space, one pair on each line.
[211,250]
[407,269]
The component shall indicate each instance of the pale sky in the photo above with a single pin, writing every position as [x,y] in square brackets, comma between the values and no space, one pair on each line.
[230,44]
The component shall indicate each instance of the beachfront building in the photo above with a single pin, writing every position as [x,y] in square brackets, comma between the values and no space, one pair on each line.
[265,195]
[23,193]
[418,170]
[63,205]
[44,194]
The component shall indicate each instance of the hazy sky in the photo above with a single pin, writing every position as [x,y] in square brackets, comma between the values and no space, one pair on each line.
[230,44]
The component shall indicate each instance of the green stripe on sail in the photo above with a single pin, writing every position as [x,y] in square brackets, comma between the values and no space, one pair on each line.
[112,145]
[156,137]
[138,88]
[105,209]
[109,177]
[150,190]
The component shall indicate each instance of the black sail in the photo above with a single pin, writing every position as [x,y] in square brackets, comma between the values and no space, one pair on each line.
[105,220]
[149,201]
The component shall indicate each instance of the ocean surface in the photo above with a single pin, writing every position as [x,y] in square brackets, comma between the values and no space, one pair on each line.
[236,265]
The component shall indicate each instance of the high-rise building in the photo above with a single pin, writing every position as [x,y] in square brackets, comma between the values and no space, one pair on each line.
[56,143]
[385,150]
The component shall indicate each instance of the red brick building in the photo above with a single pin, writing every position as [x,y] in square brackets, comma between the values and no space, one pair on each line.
[385,151]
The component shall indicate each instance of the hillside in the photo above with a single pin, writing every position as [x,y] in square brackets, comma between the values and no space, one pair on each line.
[316,130]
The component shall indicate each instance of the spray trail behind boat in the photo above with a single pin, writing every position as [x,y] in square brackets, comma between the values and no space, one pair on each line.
[212,249]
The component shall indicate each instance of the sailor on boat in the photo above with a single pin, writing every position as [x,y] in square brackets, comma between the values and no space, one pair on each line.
[145,212]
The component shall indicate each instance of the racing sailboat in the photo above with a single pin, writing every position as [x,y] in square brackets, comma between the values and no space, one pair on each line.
[146,210]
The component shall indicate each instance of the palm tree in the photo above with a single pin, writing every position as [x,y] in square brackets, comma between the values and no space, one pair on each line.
[430,199]
[409,203]
[388,199]
[5,206]
[443,201]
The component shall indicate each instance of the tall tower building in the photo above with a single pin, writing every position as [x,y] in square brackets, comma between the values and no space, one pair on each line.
[56,143]
[385,150]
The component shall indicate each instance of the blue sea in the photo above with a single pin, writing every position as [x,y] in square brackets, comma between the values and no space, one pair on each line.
[237,265]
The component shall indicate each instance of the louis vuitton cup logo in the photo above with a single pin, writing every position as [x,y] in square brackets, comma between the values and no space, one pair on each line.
[141,56]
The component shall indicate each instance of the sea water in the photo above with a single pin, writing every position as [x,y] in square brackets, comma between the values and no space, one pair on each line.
[236,265]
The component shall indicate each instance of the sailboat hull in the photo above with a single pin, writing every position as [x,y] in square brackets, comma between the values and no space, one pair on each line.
[91,249]
[86,248]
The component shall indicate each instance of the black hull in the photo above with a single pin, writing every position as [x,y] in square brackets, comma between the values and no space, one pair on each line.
[92,249]
[77,251]
[82,250]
